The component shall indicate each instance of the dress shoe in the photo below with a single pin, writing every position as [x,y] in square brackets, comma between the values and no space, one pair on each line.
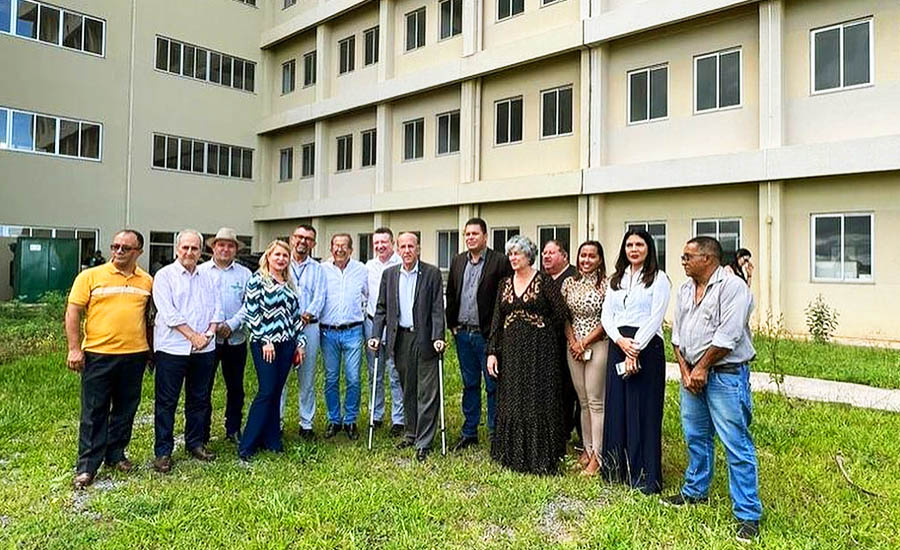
[163,464]
[592,466]
[583,459]
[202,453]
[397,430]
[233,437]
[330,430]
[465,442]
[404,443]
[422,454]
[307,434]
[123,466]
[82,480]
[352,432]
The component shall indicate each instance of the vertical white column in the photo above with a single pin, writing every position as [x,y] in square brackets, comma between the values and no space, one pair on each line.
[584,108]
[384,145]
[324,48]
[469,129]
[582,229]
[596,215]
[323,146]
[386,40]
[472,26]
[598,89]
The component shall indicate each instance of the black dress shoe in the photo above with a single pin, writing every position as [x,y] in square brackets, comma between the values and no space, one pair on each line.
[422,454]
[307,434]
[202,453]
[82,480]
[465,442]
[352,432]
[397,430]
[125,466]
[330,430]
[163,464]
[404,443]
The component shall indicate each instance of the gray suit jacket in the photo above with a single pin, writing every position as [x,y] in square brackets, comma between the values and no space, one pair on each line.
[428,308]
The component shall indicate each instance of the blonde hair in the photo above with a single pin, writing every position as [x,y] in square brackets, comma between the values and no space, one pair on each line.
[264,263]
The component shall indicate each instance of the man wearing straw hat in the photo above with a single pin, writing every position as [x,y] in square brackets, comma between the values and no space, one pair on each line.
[231,343]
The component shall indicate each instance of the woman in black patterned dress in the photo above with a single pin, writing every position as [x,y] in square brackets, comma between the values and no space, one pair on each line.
[524,355]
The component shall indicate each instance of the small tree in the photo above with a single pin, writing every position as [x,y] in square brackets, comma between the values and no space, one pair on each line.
[774,332]
[821,320]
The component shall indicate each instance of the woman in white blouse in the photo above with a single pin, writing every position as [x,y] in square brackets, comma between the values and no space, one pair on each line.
[633,312]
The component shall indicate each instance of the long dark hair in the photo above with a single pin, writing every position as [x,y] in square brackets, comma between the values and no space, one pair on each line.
[650,267]
[736,267]
[601,269]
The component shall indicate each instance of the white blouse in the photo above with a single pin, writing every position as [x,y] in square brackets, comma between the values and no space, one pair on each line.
[635,305]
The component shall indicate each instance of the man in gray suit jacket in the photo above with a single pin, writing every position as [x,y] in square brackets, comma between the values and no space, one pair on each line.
[411,309]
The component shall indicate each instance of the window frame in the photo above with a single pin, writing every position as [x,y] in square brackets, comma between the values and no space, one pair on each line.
[509,122]
[347,139]
[718,55]
[440,19]
[421,11]
[812,56]
[351,55]
[372,134]
[307,82]
[812,246]
[289,66]
[413,122]
[648,69]
[13,20]
[288,4]
[8,145]
[208,55]
[437,133]
[282,153]
[311,147]
[451,252]
[718,235]
[511,15]
[506,230]
[367,36]
[221,156]
[555,227]
[555,90]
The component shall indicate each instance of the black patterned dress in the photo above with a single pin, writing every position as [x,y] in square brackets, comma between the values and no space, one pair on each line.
[530,435]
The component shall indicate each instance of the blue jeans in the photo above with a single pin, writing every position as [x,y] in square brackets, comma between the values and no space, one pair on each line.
[346,345]
[385,363]
[262,429]
[472,367]
[306,375]
[723,408]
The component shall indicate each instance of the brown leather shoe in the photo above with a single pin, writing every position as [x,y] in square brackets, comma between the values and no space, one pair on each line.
[584,459]
[125,466]
[592,467]
[202,453]
[163,464]
[82,480]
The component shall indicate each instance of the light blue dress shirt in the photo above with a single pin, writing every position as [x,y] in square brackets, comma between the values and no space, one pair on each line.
[231,282]
[310,283]
[346,292]
[407,290]
[183,298]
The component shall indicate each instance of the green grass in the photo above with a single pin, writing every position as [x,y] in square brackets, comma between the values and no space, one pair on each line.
[335,494]
[872,366]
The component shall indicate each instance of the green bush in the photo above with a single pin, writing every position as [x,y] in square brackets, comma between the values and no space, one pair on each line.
[821,320]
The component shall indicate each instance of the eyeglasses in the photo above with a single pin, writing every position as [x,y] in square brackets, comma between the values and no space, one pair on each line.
[123,247]
[687,257]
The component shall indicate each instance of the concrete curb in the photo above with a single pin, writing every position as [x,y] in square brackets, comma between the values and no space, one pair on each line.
[814,389]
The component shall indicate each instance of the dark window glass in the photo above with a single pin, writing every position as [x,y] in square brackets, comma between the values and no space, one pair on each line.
[238,74]
[49,27]
[212,158]
[215,67]
[93,36]
[515,120]
[446,16]
[226,70]
[309,69]
[187,148]
[249,76]
[68,138]
[637,111]
[309,153]
[45,134]
[199,147]
[857,247]
[224,162]
[502,122]
[456,20]
[162,53]
[72,28]
[5,14]
[371,46]
[287,77]
[443,134]
[420,28]
[827,53]
[236,162]
[200,64]
[565,111]
[503,9]
[247,164]
[659,93]
[90,140]
[549,113]
[27,20]
[172,153]
[730,79]
[828,247]
[706,82]
[174,57]
[190,54]
[856,54]
[518,6]
[159,151]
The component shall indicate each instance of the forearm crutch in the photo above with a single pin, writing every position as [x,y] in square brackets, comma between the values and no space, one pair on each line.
[372,401]
[441,395]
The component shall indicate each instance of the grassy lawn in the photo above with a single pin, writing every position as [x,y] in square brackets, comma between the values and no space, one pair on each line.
[335,494]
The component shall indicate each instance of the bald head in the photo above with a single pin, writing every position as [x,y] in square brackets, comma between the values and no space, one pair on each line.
[408,248]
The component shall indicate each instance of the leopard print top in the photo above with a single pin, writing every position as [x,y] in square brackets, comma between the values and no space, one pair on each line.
[585,302]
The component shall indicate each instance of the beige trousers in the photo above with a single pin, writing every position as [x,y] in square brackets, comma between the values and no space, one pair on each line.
[589,379]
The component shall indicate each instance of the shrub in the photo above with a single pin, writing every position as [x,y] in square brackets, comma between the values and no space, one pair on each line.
[821,319]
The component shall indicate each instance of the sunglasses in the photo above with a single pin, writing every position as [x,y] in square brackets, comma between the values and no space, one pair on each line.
[123,247]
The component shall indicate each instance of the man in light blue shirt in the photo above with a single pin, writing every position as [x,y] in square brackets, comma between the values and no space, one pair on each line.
[309,281]
[341,328]
[231,347]
[188,311]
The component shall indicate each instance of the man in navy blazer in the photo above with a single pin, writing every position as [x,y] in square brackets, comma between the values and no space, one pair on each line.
[410,314]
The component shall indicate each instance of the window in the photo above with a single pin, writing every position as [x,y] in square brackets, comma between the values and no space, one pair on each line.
[371,46]
[73,31]
[198,63]
[509,8]
[344,153]
[27,19]
[657,231]
[249,3]
[648,94]
[556,112]
[347,60]
[288,3]
[286,165]
[50,135]
[368,147]
[415,29]
[842,247]
[451,18]
[5,15]
[365,246]
[499,236]
[448,133]
[414,139]
[556,232]
[717,80]
[447,245]
[308,160]
[309,69]
[508,120]
[162,250]
[53,25]
[842,56]
[726,231]
[199,157]
[49,25]
[287,77]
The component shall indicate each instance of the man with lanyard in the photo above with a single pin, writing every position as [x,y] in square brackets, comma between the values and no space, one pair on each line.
[385,257]
[712,343]
[309,281]
[231,347]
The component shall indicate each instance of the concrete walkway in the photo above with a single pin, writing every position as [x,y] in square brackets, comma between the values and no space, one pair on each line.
[813,389]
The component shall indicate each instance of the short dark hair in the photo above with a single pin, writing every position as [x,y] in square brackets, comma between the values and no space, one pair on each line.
[479,222]
[385,230]
[563,247]
[307,227]
[349,238]
[135,232]
[708,245]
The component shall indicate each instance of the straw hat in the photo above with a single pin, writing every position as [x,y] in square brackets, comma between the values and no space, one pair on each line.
[225,234]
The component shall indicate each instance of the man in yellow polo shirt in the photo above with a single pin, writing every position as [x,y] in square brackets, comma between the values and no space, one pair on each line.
[112,356]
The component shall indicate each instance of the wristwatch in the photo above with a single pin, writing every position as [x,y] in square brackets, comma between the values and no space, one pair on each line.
[209,334]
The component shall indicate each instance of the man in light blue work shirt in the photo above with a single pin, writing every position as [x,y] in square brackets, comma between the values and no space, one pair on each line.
[341,326]
[309,281]
[231,343]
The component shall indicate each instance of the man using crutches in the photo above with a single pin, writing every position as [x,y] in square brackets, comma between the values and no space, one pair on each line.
[410,312]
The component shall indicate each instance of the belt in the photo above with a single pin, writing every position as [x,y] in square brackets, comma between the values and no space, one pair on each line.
[728,368]
[346,326]
[409,330]
[468,328]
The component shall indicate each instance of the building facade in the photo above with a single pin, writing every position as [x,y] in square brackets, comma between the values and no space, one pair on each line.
[771,125]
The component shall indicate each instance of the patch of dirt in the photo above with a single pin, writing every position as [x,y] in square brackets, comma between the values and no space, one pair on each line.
[496,533]
[5,521]
[558,514]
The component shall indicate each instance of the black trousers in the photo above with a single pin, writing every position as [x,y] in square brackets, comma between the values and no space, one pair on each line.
[172,371]
[110,394]
[419,380]
[632,424]
[232,358]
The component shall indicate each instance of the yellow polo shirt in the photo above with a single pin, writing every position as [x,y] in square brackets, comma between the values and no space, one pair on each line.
[116,305]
